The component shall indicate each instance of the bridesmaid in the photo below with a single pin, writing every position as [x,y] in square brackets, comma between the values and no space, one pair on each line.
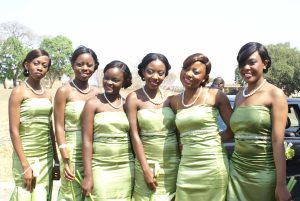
[30,111]
[258,166]
[68,105]
[153,135]
[203,169]
[107,154]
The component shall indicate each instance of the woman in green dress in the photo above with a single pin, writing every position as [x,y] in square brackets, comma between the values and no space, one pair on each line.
[30,111]
[203,168]
[153,133]
[257,166]
[107,154]
[68,105]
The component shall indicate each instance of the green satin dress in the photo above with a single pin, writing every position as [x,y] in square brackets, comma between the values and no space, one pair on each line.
[157,132]
[112,159]
[73,110]
[203,169]
[35,118]
[252,169]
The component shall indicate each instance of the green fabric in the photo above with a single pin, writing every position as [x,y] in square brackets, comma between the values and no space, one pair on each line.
[203,169]
[252,170]
[157,132]
[73,110]
[112,160]
[35,118]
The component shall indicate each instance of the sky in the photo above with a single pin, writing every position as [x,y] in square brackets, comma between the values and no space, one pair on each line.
[127,30]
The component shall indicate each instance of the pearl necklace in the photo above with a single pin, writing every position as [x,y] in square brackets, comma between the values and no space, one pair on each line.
[188,105]
[34,91]
[86,91]
[110,103]
[253,91]
[151,99]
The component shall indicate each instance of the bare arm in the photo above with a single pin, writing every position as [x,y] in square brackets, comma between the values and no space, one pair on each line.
[14,104]
[225,111]
[87,123]
[279,118]
[131,109]
[60,101]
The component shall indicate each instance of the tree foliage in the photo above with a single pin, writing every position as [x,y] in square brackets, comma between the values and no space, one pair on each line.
[60,49]
[12,53]
[285,69]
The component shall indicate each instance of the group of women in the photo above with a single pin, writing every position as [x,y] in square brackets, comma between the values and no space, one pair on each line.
[155,144]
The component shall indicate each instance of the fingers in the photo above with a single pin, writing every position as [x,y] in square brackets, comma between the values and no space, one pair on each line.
[68,173]
[152,185]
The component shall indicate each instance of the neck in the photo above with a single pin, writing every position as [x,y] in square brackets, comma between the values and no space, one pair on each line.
[112,97]
[81,84]
[253,85]
[151,92]
[36,84]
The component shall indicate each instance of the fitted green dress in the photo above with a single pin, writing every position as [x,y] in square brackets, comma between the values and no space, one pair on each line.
[112,159]
[252,169]
[157,132]
[73,110]
[35,120]
[203,169]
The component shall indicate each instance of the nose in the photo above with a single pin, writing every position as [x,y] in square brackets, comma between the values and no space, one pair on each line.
[155,76]
[188,73]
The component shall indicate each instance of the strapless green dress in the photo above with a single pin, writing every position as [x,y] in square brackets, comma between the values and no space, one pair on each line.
[112,159]
[203,169]
[73,110]
[35,118]
[252,169]
[157,132]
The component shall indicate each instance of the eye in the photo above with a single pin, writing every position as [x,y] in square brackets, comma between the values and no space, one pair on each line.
[90,65]
[251,62]
[149,71]
[162,73]
[196,72]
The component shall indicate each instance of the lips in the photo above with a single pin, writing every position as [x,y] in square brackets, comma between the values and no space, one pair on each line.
[187,81]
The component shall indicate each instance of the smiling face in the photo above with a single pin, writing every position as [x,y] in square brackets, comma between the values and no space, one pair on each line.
[113,80]
[84,66]
[154,74]
[193,76]
[253,68]
[38,67]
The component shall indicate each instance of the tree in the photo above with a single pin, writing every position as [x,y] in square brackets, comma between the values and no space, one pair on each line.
[19,31]
[60,50]
[285,69]
[12,53]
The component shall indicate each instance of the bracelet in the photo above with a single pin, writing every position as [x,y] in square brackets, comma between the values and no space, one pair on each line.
[26,170]
[62,146]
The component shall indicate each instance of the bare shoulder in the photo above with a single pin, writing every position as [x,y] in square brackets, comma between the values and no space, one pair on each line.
[167,92]
[276,92]
[133,95]
[93,101]
[63,90]
[95,89]
[18,93]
